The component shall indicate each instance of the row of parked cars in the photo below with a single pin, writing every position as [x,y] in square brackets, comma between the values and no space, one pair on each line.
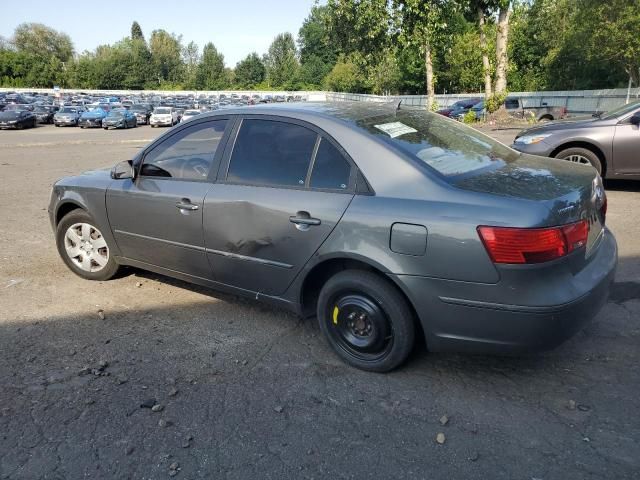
[25,111]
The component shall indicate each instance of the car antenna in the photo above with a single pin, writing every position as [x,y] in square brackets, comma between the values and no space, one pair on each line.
[398,105]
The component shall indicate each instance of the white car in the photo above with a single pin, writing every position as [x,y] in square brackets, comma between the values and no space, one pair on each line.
[189,114]
[166,116]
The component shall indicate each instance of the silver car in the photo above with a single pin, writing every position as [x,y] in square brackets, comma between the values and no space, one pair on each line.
[609,142]
[385,224]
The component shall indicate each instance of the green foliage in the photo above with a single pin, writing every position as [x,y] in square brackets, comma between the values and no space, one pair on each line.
[495,101]
[281,62]
[344,77]
[136,31]
[211,74]
[469,117]
[166,52]
[42,41]
[250,71]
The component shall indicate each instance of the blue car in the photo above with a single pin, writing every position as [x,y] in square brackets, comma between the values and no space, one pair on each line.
[92,118]
[119,118]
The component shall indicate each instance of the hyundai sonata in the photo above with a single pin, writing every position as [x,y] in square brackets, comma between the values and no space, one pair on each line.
[384,223]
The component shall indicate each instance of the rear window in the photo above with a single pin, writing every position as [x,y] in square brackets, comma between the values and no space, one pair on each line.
[445,145]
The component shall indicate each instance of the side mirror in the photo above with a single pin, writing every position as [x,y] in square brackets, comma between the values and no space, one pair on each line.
[635,119]
[123,170]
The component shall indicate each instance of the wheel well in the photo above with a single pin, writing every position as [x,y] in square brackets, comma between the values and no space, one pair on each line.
[65,209]
[319,275]
[588,146]
[546,117]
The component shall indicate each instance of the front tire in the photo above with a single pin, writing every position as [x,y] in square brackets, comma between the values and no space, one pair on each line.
[366,320]
[83,248]
[582,156]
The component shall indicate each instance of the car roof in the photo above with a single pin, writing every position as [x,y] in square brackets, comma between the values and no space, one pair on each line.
[350,112]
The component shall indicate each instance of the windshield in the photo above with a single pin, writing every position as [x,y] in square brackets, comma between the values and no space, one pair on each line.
[162,111]
[15,108]
[620,111]
[192,112]
[68,110]
[114,113]
[445,145]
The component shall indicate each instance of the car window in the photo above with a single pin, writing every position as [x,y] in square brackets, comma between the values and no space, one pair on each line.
[188,154]
[511,103]
[330,169]
[271,153]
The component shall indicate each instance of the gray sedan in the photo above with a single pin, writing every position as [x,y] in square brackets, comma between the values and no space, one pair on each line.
[385,224]
[609,142]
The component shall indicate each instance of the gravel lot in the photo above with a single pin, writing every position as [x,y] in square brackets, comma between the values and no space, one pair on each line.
[246,391]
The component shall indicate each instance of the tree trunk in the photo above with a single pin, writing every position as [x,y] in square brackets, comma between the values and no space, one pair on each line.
[428,67]
[502,38]
[486,68]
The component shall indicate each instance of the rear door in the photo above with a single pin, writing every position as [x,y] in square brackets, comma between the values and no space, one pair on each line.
[284,186]
[157,218]
[626,145]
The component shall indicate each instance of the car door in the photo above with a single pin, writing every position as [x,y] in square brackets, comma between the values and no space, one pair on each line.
[283,187]
[157,217]
[626,145]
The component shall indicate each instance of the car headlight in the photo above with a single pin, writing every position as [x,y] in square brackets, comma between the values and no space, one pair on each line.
[531,139]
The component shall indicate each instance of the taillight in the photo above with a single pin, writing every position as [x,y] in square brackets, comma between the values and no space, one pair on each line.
[533,245]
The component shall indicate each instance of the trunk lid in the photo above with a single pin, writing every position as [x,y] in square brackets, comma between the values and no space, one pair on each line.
[570,192]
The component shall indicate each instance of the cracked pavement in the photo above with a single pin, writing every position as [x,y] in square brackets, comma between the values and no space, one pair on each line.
[259,393]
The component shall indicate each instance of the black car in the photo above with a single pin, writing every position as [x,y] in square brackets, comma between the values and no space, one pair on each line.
[459,108]
[43,114]
[17,117]
[142,112]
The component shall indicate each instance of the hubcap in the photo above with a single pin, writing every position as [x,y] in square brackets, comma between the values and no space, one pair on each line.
[86,247]
[578,159]
[360,326]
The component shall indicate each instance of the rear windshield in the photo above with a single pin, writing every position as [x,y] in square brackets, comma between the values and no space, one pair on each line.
[445,145]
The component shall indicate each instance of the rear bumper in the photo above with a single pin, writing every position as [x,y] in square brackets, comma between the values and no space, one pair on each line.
[453,320]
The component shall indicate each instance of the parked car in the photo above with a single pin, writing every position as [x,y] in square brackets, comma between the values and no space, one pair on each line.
[14,116]
[163,116]
[459,108]
[608,142]
[515,107]
[119,118]
[68,116]
[384,224]
[44,114]
[189,114]
[142,112]
[92,118]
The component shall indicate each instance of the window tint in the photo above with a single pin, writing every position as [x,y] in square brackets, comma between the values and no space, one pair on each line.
[511,103]
[331,169]
[271,153]
[188,154]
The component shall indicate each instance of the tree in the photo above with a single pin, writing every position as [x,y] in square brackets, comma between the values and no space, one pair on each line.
[136,31]
[502,40]
[166,54]
[424,23]
[43,41]
[250,71]
[281,62]
[344,77]
[191,59]
[615,39]
[211,73]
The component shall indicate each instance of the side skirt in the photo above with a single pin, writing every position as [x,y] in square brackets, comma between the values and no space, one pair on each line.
[205,282]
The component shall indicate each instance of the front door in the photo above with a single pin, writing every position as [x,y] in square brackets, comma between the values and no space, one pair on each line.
[283,190]
[157,218]
[626,145]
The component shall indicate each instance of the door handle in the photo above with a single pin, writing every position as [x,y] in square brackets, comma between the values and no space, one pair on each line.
[185,204]
[303,220]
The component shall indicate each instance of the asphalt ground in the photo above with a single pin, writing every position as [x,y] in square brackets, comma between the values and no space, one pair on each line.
[246,391]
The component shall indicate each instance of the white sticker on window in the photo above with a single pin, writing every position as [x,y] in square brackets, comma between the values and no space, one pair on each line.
[395,129]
